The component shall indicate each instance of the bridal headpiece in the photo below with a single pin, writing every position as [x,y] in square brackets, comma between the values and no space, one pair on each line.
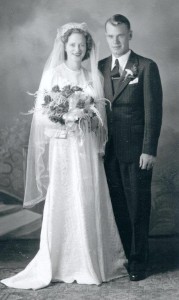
[62,30]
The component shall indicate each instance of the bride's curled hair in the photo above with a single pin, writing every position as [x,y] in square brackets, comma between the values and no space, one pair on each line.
[87,35]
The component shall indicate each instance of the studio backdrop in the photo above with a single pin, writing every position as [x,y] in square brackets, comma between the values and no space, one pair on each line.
[27,32]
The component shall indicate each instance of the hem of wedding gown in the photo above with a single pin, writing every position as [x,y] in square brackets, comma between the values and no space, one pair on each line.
[77,281]
[12,286]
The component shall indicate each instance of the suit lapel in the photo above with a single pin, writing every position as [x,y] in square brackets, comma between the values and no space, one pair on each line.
[124,82]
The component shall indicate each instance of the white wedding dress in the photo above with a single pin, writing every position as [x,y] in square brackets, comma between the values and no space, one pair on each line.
[79,238]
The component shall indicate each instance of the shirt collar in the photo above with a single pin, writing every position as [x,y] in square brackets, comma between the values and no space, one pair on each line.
[122,60]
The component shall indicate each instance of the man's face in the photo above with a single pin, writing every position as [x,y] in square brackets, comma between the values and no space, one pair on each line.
[118,38]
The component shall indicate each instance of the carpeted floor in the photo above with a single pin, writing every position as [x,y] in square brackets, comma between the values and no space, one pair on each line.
[162,282]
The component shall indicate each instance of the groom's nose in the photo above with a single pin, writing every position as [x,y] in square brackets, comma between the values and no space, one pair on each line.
[115,40]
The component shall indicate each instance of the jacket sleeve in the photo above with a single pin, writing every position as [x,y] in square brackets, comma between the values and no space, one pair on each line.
[100,66]
[152,108]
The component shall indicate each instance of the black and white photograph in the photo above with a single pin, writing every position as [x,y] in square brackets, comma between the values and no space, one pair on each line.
[89,150]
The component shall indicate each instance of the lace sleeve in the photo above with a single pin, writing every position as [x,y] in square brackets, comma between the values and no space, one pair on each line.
[102,131]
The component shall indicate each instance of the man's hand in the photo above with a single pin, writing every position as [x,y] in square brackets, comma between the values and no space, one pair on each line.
[147,161]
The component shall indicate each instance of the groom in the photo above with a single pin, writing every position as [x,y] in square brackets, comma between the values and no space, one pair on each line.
[132,83]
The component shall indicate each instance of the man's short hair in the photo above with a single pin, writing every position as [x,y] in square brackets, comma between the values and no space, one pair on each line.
[118,19]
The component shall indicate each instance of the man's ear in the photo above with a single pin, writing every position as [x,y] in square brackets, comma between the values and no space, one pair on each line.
[130,34]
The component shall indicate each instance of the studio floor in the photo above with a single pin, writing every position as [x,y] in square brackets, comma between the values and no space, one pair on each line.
[162,282]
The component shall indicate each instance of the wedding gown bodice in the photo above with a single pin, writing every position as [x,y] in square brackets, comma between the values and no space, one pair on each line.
[62,75]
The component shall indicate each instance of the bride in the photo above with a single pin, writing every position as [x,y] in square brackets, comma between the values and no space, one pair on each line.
[79,239]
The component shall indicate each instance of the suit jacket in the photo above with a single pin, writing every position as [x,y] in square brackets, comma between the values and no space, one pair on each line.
[134,122]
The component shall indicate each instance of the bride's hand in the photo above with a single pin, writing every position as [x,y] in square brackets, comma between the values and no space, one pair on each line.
[94,123]
[74,115]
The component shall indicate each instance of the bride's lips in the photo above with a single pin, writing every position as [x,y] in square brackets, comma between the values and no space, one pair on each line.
[77,54]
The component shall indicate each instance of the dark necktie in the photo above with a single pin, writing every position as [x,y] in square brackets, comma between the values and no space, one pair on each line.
[115,71]
[115,76]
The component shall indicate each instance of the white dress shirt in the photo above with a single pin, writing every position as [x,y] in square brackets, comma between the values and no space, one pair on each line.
[122,61]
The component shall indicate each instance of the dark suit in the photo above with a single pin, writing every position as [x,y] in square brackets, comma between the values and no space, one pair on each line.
[134,127]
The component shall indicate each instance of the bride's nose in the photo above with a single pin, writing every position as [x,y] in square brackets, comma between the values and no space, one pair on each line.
[77,48]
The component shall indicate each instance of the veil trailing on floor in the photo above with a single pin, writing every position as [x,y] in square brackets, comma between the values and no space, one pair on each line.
[37,174]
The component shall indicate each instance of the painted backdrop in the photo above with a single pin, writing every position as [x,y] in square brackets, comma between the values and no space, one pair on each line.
[27,32]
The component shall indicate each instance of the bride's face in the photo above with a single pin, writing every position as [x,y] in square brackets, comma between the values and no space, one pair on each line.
[75,47]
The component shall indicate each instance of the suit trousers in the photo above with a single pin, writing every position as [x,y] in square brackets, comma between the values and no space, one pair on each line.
[130,191]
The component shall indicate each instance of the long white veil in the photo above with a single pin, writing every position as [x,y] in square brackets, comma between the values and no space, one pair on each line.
[37,174]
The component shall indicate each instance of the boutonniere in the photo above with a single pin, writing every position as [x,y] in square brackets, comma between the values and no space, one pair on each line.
[131,73]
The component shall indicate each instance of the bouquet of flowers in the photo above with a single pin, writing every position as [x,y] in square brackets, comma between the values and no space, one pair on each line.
[70,106]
